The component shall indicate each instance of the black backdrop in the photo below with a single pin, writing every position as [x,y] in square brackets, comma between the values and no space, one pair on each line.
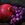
[14,2]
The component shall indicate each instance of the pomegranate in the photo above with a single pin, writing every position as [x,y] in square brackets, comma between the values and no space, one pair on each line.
[5,10]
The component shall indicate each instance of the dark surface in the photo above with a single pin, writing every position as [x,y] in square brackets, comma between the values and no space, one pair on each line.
[14,2]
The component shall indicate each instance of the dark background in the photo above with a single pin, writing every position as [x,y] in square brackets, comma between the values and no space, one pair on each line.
[14,2]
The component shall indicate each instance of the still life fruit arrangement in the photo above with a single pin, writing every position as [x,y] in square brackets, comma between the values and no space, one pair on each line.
[15,13]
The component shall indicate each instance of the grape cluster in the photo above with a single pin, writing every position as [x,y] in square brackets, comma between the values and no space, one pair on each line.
[18,14]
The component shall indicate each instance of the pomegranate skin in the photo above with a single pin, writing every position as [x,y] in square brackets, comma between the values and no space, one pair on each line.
[5,10]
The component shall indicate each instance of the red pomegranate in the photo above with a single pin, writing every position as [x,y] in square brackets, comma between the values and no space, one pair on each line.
[5,10]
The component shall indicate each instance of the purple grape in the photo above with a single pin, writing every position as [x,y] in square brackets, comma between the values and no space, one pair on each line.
[17,19]
[17,15]
[15,7]
[18,12]
[20,16]
[20,8]
[15,11]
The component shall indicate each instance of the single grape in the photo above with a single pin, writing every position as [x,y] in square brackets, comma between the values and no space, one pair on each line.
[17,15]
